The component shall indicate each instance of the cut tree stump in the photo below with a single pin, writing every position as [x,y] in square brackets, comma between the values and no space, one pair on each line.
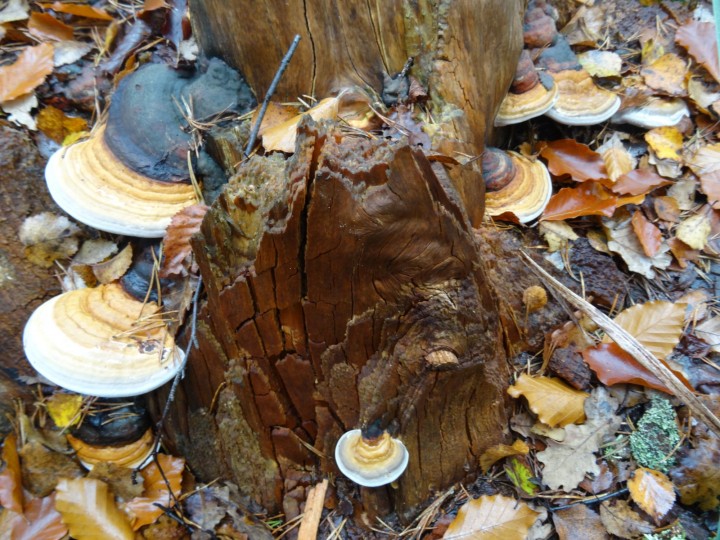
[344,285]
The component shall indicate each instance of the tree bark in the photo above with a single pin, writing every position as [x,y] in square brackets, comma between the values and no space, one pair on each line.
[333,276]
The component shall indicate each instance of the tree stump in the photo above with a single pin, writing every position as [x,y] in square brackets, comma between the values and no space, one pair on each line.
[344,285]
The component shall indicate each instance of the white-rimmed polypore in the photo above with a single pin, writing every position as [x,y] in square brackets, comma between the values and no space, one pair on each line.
[531,95]
[371,457]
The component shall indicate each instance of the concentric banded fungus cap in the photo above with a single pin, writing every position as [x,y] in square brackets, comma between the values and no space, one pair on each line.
[531,94]
[130,455]
[528,188]
[101,342]
[656,112]
[371,461]
[580,101]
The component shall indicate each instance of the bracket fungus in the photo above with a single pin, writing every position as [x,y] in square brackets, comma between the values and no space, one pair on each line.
[101,342]
[131,175]
[515,184]
[131,455]
[531,94]
[580,101]
[656,112]
[372,459]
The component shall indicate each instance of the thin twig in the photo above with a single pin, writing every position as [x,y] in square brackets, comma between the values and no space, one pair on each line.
[591,500]
[269,94]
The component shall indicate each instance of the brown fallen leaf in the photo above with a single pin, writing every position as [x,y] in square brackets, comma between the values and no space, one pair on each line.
[639,182]
[697,477]
[589,199]
[667,209]
[88,509]
[649,235]
[699,40]
[492,517]
[41,521]
[115,267]
[623,241]
[27,72]
[621,520]
[176,244]
[11,495]
[569,157]
[652,491]
[555,403]
[618,160]
[579,521]
[495,453]
[88,12]
[46,27]
[143,509]
[709,332]
[658,325]
[666,75]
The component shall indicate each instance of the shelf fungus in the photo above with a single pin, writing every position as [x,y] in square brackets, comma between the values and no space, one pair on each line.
[371,459]
[131,175]
[515,184]
[580,101]
[531,94]
[101,342]
[130,455]
[656,112]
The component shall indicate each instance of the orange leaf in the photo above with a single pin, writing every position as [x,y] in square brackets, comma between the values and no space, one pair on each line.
[492,517]
[649,235]
[699,39]
[682,252]
[652,491]
[555,403]
[79,10]
[11,496]
[151,5]
[176,245]
[143,509]
[667,208]
[567,156]
[46,27]
[589,199]
[500,451]
[639,182]
[40,522]
[27,73]
[711,188]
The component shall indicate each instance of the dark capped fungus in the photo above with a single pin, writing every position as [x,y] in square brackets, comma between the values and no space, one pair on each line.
[131,175]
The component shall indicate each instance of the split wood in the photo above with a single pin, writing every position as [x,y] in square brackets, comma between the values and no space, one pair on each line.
[313,511]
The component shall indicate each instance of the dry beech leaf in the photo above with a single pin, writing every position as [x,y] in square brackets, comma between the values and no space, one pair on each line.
[649,235]
[667,209]
[694,231]
[495,453]
[275,114]
[11,496]
[579,521]
[697,477]
[623,241]
[588,199]
[14,10]
[666,75]
[143,509]
[621,520]
[567,156]
[652,491]
[618,161]
[658,325]
[114,268]
[27,72]
[176,244]
[88,509]
[639,182]
[46,27]
[699,40]
[666,142]
[41,521]
[709,332]
[555,403]
[79,10]
[492,517]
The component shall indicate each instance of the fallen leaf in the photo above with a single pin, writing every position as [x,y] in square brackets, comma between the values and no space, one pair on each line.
[652,491]
[601,63]
[176,244]
[114,268]
[14,10]
[46,27]
[618,160]
[557,234]
[19,110]
[621,520]
[40,522]
[64,409]
[697,477]
[709,332]
[666,75]
[567,156]
[567,463]
[552,400]
[48,237]
[649,235]
[275,114]
[666,142]
[639,182]
[657,325]
[27,72]
[694,231]
[699,40]
[623,241]
[69,52]
[495,453]
[667,209]
[521,476]
[11,496]
[88,509]
[588,199]
[88,12]
[683,191]
[702,96]
[143,509]
[492,517]
[125,483]
[56,125]
[579,521]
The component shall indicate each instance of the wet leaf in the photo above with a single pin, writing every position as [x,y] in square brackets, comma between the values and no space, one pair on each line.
[143,509]
[88,509]
[658,325]
[614,366]
[79,10]
[649,235]
[27,72]
[666,75]
[699,40]
[623,241]
[698,476]
[652,491]
[40,522]
[589,199]
[492,518]
[176,244]
[521,476]
[11,496]
[46,27]
[579,521]
[665,141]
[567,156]
[495,453]
[639,182]
[694,231]
[555,403]
[64,409]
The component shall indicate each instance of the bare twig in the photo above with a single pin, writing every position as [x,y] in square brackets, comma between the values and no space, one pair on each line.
[591,500]
[313,511]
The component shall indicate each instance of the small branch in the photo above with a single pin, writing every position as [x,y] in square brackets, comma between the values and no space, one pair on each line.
[591,500]
[269,94]
[313,511]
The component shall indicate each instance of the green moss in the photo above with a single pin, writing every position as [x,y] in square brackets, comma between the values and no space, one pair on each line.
[674,533]
[656,436]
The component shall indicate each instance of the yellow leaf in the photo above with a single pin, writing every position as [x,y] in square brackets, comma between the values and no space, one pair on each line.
[521,476]
[552,400]
[500,451]
[652,491]
[88,509]
[492,518]
[658,325]
[64,409]
[694,231]
[666,142]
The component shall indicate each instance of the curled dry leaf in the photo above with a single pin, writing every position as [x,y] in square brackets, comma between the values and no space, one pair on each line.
[589,199]
[11,496]
[652,491]
[555,403]
[46,27]
[492,518]
[143,509]
[27,72]
[500,451]
[567,156]
[694,231]
[557,234]
[649,235]
[114,268]
[176,244]
[621,520]
[699,40]
[79,10]
[709,332]
[639,182]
